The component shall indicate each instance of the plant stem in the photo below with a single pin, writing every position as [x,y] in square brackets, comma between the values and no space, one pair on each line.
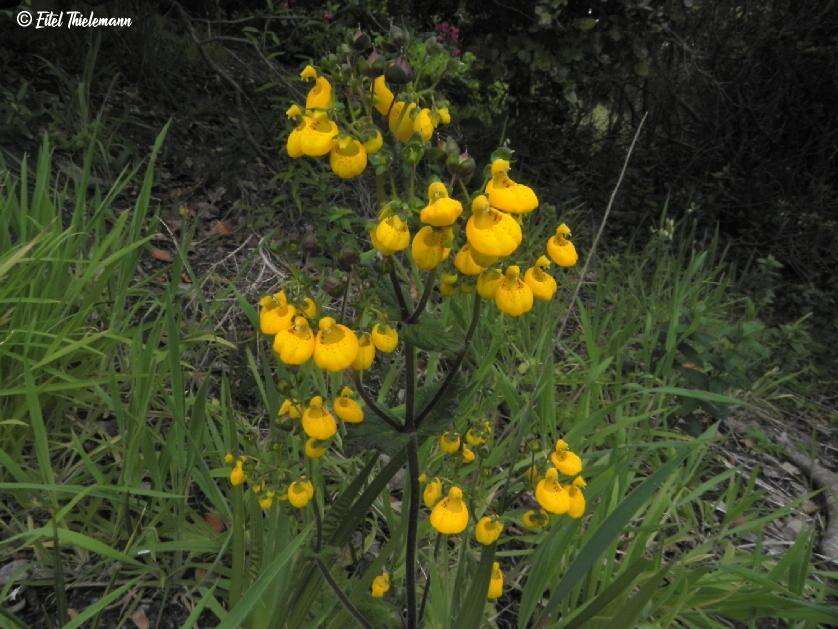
[371,403]
[344,599]
[397,289]
[428,581]
[426,294]
[237,571]
[458,361]
[345,297]
[413,473]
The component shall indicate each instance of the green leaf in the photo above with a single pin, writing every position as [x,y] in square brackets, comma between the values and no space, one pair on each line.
[614,589]
[472,608]
[432,335]
[96,608]
[340,506]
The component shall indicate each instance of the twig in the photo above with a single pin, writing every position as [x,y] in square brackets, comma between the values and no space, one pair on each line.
[372,404]
[601,228]
[426,294]
[344,599]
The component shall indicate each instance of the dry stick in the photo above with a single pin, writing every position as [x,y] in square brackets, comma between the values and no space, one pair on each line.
[601,228]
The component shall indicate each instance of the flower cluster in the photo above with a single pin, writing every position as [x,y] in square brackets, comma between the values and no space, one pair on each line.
[553,496]
[493,233]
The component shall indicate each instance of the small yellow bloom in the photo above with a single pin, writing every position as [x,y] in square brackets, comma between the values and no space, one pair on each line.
[423,124]
[309,308]
[319,96]
[401,120]
[374,143]
[488,282]
[316,137]
[315,449]
[335,346]
[432,493]
[465,263]
[488,529]
[513,296]
[385,337]
[423,478]
[535,520]
[560,249]
[380,585]
[507,195]
[542,284]
[366,353]
[275,313]
[468,455]
[308,73]
[229,458]
[449,442]
[318,423]
[237,474]
[444,115]
[382,96]
[348,409]
[292,410]
[475,437]
[567,462]
[450,515]
[430,247]
[295,345]
[294,143]
[550,494]
[390,235]
[495,583]
[447,284]
[441,210]
[266,500]
[348,157]
[577,498]
[300,492]
[294,112]
[491,232]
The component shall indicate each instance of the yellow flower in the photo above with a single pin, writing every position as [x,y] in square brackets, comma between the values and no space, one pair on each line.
[560,249]
[295,345]
[294,112]
[373,144]
[401,120]
[275,313]
[441,210]
[348,409]
[348,157]
[430,247]
[447,282]
[449,442]
[308,73]
[444,115]
[423,478]
[314,449]
[391,234]
[488,529]
[380,585]
[488,282]
[495,583]
[294,143]
[423,124]
[552,497]
[229,458]
[475,437]
[513,296]
[335,346]
[266,500]
[450,515]
[366,353]
[309,308]
[567,462]
[237,474]
[319,96]
[577,498]
[542,284]
[465,263]
[535,520]
[507,195]
[490,232]
[432,493]
[468,455]
[300,492]
[385,337]
[316,137]
[318,422]
[381,95]
[292,410]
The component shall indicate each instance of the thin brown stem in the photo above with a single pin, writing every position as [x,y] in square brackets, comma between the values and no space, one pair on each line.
[373,405]
[397,289]
[344,599]
[423,301]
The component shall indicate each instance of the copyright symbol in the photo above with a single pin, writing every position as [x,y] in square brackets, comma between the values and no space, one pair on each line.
[24,18]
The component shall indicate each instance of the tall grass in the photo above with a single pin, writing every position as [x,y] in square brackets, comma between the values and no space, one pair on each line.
[112,431]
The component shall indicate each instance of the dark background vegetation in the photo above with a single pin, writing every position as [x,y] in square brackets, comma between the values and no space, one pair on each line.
[741,134]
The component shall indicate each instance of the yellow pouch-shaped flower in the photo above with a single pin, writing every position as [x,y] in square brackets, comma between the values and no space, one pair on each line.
[300,492]
[373,144]
[551,496]
[275,313]
[348,157]
[490,232]
[318,422]
[390,235]
[432,493]
[400,120]
[488,282]
[381,95]
[316,137]
[567,462]
[348,409]
[449,442]
[441,210]
[488,530]
[513,296]
[577,498]
[507,195]
[495,583]
[319,96]
[385,337]
[542,284]
[465,263]
[430,247]
[560,249]
[450,515]
[380,585]
[423,124]
[366,353]
[295,345]
[315,449]
[335,346]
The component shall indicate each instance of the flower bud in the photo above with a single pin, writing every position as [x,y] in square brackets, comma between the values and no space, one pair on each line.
[413,152]
[333,286]
[374,64]
[347,258]
[398,72]
[433,46]
[361,41]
